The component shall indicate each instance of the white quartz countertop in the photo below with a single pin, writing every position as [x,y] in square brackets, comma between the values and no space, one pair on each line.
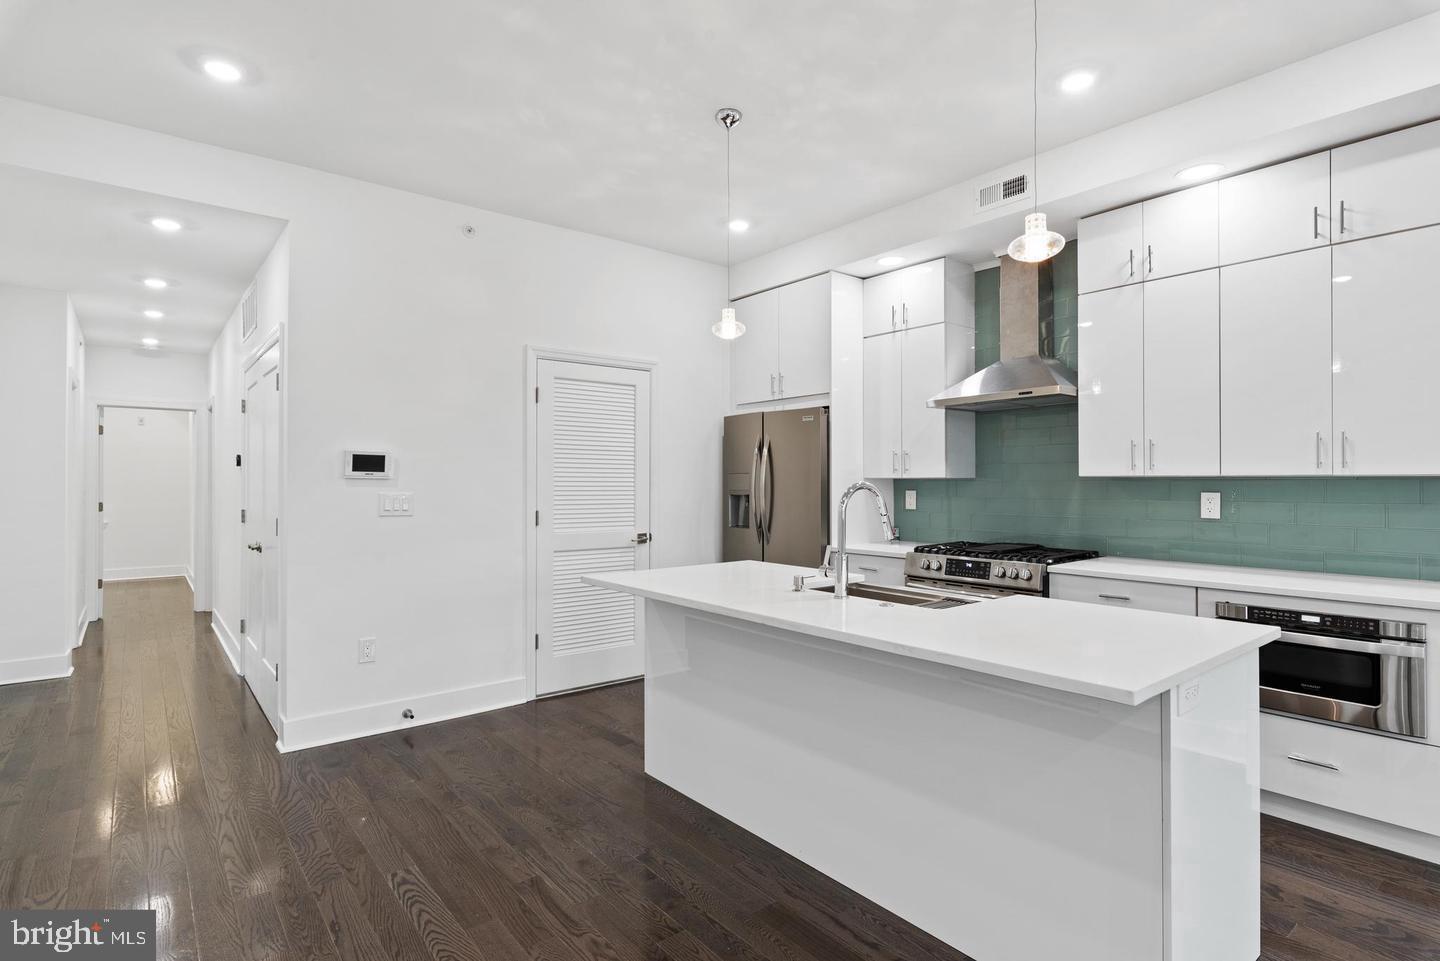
[1393,592]
[1118,655]
[883,548]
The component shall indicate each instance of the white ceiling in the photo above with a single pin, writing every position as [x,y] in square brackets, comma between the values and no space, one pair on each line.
[95,243]
[598,116]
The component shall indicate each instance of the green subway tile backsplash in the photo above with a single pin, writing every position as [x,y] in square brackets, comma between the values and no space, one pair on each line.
[1027,486]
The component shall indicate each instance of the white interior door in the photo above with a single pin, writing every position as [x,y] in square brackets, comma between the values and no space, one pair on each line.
[593,476]
[99,610]
[260,464]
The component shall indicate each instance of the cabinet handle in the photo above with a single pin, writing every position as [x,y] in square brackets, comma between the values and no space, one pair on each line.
[1302,759]
[905,461]
[1342,217]
[893,323]
[782,383]
[1152,455]
[1318,462]
[772,385]
[904,315]
[867,570]
[1315,222]
[1132,456]
[1149,259]
[1114,597]
[1344,458]
[894,462]
[1132,261]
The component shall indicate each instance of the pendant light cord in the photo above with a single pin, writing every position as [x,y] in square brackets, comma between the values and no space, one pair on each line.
[1035,105]
[727,210]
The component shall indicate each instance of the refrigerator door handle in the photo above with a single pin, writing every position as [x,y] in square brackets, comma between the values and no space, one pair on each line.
[768,474]
[755,510]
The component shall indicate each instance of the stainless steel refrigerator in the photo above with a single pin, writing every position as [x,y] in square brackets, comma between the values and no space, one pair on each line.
[777,486]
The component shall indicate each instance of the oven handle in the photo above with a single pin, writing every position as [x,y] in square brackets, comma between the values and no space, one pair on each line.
[1387,648]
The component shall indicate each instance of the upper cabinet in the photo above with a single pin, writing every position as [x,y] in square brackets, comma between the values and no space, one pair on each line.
[929,293]
[1386,183]
[1275,210]
[1108,249]
[1112,382]
[785,350]
[1182,375]
[1181,232]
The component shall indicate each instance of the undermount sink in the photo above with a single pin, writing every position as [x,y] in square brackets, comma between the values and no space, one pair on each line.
[899,595]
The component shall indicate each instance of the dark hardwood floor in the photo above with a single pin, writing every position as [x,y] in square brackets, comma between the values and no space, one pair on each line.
[150,777]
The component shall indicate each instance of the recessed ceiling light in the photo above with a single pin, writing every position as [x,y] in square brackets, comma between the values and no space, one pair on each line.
[739,226]
[222,70]
[156,283]
[154,314]
[1199,172]
[1077,81]
[149,342]
[1342,279]
[166,225]
[891,261]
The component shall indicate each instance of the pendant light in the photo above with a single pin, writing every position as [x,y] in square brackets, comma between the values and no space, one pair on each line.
[727,327]
[1038,242]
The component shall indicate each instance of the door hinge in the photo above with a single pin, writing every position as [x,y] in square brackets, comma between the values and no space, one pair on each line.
[537,518]
[242,515]
[277,527]
[100,584]
[242,405]
[277,387]
[537,395]
[277,672]
[242,625]
[537,642]
[100,506]
[102,429]
[237,460]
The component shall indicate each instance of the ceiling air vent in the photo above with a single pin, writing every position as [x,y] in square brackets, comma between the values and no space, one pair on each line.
[1002,191]
[250,311]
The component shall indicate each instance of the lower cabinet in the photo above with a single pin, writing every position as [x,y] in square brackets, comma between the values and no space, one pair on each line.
[1113,592]
[886,571]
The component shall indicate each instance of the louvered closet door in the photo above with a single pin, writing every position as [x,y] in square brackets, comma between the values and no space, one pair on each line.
[594,498]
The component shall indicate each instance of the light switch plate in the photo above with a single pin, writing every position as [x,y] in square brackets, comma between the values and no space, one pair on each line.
[397,504]
[909,500]
[1210,505]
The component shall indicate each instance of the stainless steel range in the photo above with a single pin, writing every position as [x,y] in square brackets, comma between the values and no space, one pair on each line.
[987,570]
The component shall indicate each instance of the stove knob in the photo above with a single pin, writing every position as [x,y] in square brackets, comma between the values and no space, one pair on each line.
[1000,572]
[1014,572]
[1027,574]
[929,565]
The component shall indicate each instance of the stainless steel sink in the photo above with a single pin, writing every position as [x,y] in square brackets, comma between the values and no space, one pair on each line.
[899,595]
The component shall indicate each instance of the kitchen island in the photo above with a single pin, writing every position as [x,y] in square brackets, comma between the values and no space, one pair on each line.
[1024,778]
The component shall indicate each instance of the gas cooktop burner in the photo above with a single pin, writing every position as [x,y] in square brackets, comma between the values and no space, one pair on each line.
[1029,553]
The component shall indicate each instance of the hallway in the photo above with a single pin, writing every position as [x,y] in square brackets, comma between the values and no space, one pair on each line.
[150,778]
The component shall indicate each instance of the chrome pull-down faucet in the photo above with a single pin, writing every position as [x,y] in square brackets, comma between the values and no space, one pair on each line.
[839,567]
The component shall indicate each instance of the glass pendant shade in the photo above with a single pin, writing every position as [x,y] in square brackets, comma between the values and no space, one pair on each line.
[1038,242]
[727,327]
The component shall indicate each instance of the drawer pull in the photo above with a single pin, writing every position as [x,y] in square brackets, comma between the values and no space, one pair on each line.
[1115,597]
[867,570]
[1302,759]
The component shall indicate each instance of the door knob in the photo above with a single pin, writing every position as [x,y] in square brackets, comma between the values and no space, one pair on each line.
[255,547]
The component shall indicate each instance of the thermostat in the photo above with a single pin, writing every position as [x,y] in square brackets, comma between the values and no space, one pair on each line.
[369,463]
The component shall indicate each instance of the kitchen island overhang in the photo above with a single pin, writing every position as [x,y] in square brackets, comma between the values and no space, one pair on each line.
[984,772]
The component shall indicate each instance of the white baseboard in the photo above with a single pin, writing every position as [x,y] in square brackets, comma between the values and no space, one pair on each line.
[82,625]
[314,730]
[1391,837]
[144,573]
[190,579]
[35,669]
[228,643]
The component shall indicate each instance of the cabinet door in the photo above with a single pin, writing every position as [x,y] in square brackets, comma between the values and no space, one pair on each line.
[922,448]
[882,304]
[755,355]
[804,310]
[1275,210]
[1275,365]
[1109,248]
[882,406]
[1182,232]
[1182,375]
[1386,341]
[922,294]
[1387,183]
[1112,382]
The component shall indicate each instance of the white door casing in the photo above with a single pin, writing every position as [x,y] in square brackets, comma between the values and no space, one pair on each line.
[260,554]
[592,496]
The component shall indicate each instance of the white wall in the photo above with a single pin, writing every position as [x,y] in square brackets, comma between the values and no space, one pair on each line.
[159,377]
[405,334]
[147,492]
[37,629]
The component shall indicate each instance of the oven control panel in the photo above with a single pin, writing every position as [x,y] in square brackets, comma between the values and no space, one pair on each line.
[1317,622]
[1016,575]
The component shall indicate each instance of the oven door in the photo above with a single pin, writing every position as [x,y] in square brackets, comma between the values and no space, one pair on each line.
[1373,685]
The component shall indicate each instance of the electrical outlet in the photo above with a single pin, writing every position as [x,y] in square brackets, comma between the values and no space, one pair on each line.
[1210,506]
[397,504]
[1189,697]
[367,650]
[909,500]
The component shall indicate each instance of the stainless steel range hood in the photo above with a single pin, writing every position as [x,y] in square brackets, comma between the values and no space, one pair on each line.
[1027,374]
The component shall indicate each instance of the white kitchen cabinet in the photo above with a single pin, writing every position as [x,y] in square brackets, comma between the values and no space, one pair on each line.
[937,292]
[1112,382]
[1182,375]
[1275,210]
[1386,183]
[1275,366]
[785,350]
[1181,232]
[883,379]
[804,311]
[1113,592]
[1386,339]
[1109,248]
[755,355]
[879,570]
